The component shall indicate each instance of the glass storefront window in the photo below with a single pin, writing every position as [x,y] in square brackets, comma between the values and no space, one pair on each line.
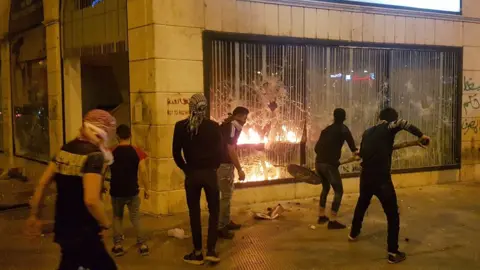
[292,90]
[30,95]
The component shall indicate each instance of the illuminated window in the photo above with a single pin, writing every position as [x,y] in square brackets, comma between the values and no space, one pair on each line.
[292,90]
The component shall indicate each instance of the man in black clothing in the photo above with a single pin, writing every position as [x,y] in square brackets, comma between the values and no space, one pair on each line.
[200,140]
[375,179]
[80,217]
[329,151]
[230,129]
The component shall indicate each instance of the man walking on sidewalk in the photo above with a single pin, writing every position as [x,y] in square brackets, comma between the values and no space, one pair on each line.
[231,129]
[80,218]
[329,151]
[199,139]
[127,170]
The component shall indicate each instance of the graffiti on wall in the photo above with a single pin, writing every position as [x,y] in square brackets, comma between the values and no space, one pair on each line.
[471,98]
[177,106]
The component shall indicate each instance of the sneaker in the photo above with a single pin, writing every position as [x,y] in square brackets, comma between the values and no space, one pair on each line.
[323,220]
[352,237]
[212,256]
[396,257]
[335,225]
[144,250]
[193,258]
[118,251]
[233,226]
[225,233]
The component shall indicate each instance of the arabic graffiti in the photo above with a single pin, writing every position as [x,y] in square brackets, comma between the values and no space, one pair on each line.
[472,102]
[470,125]
[469,85]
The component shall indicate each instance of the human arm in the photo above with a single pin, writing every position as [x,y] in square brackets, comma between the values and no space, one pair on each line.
[143,177]
[177,148]
[349,139]
[231,141]
[43,184]
[92,188]
[402,124]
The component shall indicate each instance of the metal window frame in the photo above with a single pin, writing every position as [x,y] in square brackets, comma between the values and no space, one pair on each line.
[210,36]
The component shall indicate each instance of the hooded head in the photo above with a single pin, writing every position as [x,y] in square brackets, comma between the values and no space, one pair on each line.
[339,115]
[98,127]
[198,111]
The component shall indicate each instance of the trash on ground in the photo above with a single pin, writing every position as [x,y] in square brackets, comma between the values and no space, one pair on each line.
[177,233]
[312,227]
[272,213]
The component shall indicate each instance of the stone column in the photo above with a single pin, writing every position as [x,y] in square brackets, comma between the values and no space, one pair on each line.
[166,68]
[55,104]
[6,101]
[72,78]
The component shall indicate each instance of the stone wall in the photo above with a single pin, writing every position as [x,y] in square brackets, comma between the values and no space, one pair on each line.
[165,45]
[166,68]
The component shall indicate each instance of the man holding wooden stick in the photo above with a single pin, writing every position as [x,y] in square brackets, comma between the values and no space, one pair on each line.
[376,152]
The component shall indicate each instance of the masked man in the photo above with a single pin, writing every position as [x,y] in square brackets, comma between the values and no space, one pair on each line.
[231,129]
[80,218]
[200,141]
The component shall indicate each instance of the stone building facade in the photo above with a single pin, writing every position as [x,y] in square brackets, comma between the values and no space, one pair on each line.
[165,45]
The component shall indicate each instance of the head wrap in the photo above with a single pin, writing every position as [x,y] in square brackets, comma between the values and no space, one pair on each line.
[99,125]
[198,111]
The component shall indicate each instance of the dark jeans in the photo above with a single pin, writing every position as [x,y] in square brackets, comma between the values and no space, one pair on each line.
[195,181]
[90,253]
[331,177]
[381,186]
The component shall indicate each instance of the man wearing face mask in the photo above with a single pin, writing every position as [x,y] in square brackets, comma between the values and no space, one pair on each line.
[80,218]
[199,139]
[231,129]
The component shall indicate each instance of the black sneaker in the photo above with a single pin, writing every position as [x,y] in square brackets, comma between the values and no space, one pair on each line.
[335,225]
[118,251]
[144,250]
[396,257]
[233,226]
[323,220]
[212,256]
[225,233]
[193,258]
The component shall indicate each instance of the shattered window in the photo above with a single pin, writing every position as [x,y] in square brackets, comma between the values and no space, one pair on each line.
[292,90]
[30,95]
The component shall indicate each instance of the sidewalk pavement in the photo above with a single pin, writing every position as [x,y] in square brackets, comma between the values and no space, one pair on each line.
[439,230]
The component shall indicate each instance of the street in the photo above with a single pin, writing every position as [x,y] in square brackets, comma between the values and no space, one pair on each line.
[439,230]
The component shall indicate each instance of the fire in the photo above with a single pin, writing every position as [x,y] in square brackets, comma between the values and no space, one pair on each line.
[251,136]
[263,170]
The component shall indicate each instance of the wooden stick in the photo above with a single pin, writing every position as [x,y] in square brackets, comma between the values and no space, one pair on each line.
[395,147]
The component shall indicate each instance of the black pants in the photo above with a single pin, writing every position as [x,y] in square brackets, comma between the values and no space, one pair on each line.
[90,253]
[381,186]
[331,177]
[194,183]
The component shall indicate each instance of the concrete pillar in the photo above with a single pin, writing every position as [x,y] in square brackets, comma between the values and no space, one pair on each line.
[51,10]
[72,78]
[6,101]
[166,68]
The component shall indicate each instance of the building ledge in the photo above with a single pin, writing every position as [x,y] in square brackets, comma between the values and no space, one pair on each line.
[370,9]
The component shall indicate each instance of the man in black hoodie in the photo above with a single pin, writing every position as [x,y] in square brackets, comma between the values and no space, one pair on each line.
[329,151]
[375,179]
[199,139]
